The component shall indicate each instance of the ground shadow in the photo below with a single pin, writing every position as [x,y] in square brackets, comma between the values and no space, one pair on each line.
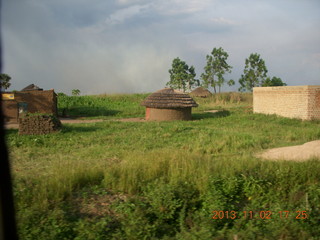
[206,115]
[86,112]
[11,131]
[78,128]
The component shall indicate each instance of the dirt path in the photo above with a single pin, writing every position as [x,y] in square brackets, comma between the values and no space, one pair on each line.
[131,120]
[70,120]
[213,111]
[295,153]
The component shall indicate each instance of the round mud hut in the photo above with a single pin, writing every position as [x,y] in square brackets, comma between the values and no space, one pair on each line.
[168,104]
[201,92]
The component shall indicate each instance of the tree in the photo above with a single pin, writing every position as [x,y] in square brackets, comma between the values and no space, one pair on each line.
[5,81]
[216,67]
[182,76]
[75,92]
[275,81]
[231,82]
[255,73]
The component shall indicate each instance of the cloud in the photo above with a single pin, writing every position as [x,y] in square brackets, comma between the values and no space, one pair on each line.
[175,7]
[223,21]
[125,13]
[128,46]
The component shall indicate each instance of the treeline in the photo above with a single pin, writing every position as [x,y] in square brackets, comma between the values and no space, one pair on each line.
[182,76]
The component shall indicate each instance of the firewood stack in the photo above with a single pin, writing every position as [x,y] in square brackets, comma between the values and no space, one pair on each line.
[38,124]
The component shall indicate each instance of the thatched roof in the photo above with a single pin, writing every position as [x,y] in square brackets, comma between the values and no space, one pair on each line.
[32,87]
[201,92]
[169,98]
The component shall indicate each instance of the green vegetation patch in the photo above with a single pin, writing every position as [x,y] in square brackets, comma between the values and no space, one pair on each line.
[105,106]
[195,179]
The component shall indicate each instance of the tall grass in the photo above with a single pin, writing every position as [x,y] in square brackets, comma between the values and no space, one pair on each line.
[224,100]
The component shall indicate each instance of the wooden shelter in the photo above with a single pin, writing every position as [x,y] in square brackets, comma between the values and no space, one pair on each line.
[168,104]
[201,92]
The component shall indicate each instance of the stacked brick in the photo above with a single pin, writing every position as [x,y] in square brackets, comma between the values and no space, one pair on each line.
[38,124]
[301,102]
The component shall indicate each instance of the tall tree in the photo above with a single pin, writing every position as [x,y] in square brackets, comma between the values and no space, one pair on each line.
[182,76]
[5,81]
[215,69]
[275,81]
[254,73]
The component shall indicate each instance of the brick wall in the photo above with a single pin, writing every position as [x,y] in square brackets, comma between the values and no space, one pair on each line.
[37,102]
[10,111]
[301,102]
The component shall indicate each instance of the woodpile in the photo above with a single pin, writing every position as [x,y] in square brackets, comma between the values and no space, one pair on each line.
[38,124]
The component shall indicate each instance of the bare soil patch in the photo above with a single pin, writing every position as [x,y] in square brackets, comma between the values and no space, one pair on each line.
[96,205]
[70,120]
[11,125]
[213,111]
[302,152]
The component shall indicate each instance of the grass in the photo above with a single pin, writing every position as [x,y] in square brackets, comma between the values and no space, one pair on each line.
[163,180]
[128,105]
[101,106]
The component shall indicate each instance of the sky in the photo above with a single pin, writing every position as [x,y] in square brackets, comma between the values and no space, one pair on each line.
[127,46]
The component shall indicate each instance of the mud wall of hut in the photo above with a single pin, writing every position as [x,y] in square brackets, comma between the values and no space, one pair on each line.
[301,102]
[162,114]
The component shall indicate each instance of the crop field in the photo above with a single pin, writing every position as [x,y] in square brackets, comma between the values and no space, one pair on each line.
[197,179]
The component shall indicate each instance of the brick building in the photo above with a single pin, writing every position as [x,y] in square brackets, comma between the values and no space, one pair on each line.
[301,102]
[31,100]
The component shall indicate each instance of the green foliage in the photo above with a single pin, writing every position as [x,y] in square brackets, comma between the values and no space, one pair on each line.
[163,180]
[275,81]
[75,92]
[215,69]
[231,82]
[61,94]
[4,81]
[182,76]
[254,73]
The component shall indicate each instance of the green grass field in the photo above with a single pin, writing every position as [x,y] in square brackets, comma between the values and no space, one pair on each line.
[165,180]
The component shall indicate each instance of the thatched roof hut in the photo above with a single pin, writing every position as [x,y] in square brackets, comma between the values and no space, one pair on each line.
[168,104]
[201,92]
